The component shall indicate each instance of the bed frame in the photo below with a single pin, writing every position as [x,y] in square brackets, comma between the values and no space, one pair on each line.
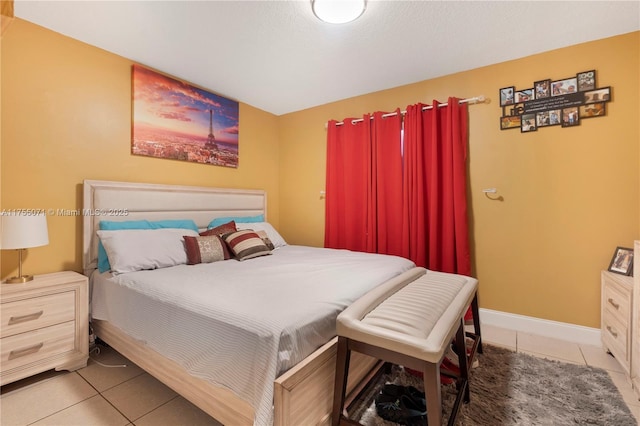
[302,396]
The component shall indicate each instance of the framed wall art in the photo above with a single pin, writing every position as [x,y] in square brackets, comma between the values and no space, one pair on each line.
[548,118]
[528,123]
[542,89]
[570,117]
[586,80]
[600,95]
[506,96]
[563,87]
[176,120]
[510,122]
[593,110]
[563,103]
[524,95]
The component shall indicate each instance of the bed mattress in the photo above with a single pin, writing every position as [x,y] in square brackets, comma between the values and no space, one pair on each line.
[240,325]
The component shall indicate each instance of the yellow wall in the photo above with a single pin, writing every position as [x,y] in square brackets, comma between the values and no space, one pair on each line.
[66,115]
[571,195]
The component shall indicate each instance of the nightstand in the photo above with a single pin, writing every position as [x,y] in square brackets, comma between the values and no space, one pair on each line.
[616,316]
[45,325]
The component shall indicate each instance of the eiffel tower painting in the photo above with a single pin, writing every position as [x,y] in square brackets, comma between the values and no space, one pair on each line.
[178,129]
[211,139]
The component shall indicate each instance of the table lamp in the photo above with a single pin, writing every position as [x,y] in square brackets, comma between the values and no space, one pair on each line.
[21,232]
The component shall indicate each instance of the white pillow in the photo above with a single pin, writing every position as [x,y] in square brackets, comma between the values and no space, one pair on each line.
[273,235]
[131,250]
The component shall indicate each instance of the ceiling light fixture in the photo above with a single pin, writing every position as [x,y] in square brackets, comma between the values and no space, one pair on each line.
[338,11]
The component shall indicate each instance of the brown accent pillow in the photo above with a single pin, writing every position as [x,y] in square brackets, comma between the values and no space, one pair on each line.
[207,249]
[246,244]
[225,228]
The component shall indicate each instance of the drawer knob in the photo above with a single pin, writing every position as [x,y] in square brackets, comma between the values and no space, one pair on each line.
[614,304]
[613,333]
[26,351]
[25,318]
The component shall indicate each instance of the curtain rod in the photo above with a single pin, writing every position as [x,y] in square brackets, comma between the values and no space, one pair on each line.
[475,100]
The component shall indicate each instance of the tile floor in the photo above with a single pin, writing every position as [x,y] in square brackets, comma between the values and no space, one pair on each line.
[124,396]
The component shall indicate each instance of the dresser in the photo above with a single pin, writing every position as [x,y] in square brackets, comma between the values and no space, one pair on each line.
[616,316]
[45,325]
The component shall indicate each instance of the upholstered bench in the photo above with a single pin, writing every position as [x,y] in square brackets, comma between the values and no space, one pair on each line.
[411,321]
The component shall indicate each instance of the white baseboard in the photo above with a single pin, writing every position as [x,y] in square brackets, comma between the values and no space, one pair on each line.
[559,330]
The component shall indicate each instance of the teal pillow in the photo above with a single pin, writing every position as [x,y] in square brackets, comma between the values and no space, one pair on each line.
[105,225]
[237,219]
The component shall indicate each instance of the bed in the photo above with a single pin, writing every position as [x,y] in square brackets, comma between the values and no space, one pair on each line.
[209,339]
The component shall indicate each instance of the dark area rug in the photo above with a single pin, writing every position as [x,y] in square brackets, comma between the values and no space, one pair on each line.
[510,388]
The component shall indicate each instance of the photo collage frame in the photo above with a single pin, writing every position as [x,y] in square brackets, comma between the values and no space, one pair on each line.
[565,102]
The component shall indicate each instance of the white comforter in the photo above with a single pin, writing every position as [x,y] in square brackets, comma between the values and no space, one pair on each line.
[242,324]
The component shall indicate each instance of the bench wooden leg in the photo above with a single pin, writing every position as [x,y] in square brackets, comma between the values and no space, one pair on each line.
[433,393]
[340,386]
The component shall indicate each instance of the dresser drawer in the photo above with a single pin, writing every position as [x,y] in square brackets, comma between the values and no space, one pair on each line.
[617,300]
[33,346]
[30,314]
[615,337]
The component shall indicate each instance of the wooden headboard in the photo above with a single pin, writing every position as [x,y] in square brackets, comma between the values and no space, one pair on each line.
[120,201]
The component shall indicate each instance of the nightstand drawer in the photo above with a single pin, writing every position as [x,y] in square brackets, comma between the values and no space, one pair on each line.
[33,346]
[617,300]
[615,337]
[37,312]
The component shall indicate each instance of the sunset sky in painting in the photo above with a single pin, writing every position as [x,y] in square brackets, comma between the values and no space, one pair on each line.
[166,105]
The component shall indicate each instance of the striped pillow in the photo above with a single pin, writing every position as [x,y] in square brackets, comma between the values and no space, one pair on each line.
[205,249]
[246,244]
[265,239]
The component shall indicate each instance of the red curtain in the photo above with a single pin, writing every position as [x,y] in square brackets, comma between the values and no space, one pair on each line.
[436,157]
[387,184]
[414,205]
[348,184]
[407,198]
[364,172]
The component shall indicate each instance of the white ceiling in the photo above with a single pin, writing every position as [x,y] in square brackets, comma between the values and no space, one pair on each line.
[275,55]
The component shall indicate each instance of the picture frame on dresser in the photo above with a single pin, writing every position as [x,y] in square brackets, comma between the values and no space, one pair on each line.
[622,261]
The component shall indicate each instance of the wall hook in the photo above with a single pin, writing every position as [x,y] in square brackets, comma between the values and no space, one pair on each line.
[493,191]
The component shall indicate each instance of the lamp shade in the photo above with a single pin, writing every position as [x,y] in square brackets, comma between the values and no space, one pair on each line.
[23,231]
